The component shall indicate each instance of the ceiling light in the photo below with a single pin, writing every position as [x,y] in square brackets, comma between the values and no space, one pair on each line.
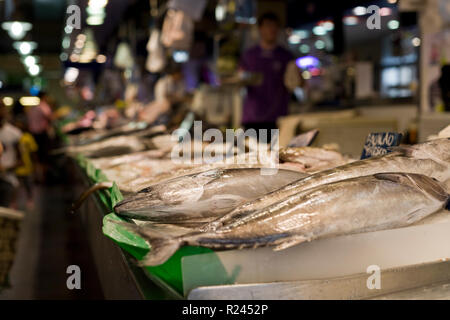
[17,30]
[30,61]
[25,47]
[359,11]
[8,101]
[392,1]
[34,70]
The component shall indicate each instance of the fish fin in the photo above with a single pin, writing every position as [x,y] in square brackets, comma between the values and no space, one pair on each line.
[290,243]
[161,246]
[393,177]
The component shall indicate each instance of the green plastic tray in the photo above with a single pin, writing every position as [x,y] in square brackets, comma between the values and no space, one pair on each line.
[170,272]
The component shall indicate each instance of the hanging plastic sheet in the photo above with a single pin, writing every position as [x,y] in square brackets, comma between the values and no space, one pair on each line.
[193,8]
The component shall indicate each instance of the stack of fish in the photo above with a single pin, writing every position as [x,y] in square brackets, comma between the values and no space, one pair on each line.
[379,193]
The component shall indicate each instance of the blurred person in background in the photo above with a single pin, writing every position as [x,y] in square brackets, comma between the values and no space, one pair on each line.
[28,148]
[40,126]
[10,158]
[170,92]
[268,100]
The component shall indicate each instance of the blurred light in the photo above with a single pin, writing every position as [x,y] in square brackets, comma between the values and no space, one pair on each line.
[304,48]
[1,84]
[328,25]
[79,44]
[307,62]
[294,39]
[180,56]
[68,29]
[66,42]
[319,44]
[81,37]
[416,41]
[220,12]
[30,101]
[17,30]
[351,21]
[97,12]
[306,75]
[315,72]
[8,101]
[392,1]
[97,3]
[359,11]
[74,58]
[101,58]
[25,47]
[71,75]
[393,24]
[30,61]
[95,20]
[319,31]
[34,90]
[63,56]
[384,12]
[303,34]
[34,70]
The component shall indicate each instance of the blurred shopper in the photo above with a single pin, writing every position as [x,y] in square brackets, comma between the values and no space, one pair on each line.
[266,101]
[28,148]
[40,125]
[170,92]
[444,83]
[10,158]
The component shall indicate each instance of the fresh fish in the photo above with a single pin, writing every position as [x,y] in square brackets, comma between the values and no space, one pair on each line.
[109,147]
[202,197]
[312,159]
[431,159]
[304,139]
[363,204]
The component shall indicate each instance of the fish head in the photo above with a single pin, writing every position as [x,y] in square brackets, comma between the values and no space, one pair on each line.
[438,150]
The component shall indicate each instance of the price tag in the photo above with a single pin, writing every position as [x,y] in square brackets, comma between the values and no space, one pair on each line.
[377,144]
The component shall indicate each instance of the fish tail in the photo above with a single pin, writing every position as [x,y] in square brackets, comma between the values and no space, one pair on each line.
[162,247]
[87,193]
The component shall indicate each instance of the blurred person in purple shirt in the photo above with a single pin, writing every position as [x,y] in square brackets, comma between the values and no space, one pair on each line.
[268,100]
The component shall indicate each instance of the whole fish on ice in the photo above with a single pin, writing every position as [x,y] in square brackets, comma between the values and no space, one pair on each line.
[202,197]
[362,204]
[431,159]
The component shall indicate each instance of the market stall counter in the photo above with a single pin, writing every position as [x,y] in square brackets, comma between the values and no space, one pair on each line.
[406,258]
